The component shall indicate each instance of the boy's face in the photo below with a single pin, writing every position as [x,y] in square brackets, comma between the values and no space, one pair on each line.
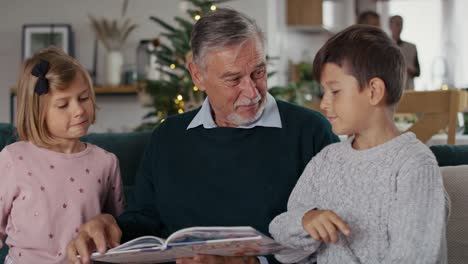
[70,112]
[343,104]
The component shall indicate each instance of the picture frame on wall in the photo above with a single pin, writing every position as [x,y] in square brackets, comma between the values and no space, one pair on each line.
[39,36]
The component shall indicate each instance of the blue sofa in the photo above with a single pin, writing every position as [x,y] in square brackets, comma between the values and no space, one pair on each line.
[129,148]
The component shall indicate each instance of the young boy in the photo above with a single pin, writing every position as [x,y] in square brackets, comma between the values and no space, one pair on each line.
[377,197]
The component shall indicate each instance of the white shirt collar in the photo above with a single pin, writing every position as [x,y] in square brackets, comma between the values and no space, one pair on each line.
[269,118]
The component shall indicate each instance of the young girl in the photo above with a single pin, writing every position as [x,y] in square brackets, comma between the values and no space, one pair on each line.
[377,197]
[50,181]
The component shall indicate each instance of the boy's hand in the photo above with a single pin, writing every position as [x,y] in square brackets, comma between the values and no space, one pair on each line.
[322,225]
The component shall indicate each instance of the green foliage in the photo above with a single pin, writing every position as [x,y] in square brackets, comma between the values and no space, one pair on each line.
[172,54]
[302,92]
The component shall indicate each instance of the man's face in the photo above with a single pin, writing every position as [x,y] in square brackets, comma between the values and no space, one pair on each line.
[373,21]
[234,78]
[396,26]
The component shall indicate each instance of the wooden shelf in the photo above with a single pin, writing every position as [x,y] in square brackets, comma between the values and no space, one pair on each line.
[304,13]
[121,89]
[99,90]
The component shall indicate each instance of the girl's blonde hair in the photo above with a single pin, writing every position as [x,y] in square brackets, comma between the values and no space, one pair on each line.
[31,110]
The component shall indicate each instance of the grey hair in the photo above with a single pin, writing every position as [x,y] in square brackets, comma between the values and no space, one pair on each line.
[221,28]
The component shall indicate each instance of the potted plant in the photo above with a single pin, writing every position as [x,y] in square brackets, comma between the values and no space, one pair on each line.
[113,33]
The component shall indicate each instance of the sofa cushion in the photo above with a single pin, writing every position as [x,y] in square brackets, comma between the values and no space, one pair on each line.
[456,185]
[128,147]
[7,135]
[450,155]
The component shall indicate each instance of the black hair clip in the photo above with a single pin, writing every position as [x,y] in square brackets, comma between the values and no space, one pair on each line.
[40,70]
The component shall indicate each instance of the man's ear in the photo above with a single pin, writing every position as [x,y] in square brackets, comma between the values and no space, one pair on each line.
[376,91]
[197,75]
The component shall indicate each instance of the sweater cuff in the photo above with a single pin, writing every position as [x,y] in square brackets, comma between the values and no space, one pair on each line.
[299,214]
[304,240]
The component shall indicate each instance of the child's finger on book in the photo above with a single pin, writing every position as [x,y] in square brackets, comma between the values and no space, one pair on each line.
[113,236]
[99,240]
[82,247]
[114,233]
[72,253]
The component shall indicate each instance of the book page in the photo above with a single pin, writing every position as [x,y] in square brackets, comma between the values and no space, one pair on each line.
[256,246]
[139,243]
[246,247]
[221,241]
[146,255]
[201,235]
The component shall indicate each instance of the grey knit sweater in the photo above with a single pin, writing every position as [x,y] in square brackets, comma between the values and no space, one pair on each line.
[391,196]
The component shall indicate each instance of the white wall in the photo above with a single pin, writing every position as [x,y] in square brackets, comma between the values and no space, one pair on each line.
[422,26]
[455,42]
[116,113]
[125,113]
[294,45]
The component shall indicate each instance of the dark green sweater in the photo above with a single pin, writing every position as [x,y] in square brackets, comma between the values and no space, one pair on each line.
[221,176]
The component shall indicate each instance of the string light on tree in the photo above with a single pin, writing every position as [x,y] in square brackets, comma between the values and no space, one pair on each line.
[172,58]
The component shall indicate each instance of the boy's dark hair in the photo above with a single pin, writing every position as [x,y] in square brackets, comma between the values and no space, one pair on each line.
[365,52]
[364,16]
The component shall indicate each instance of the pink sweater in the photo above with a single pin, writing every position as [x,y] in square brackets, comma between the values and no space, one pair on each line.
[45,196]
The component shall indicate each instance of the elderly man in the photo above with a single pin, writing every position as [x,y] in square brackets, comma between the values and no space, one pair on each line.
[234,161]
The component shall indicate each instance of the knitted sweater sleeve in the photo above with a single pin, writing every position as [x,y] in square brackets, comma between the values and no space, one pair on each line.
[287,228]
[417,217]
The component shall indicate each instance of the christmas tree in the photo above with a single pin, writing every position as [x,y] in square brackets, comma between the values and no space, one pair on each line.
[174,92]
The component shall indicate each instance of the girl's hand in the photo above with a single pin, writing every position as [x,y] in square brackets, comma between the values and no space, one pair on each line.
[322,225]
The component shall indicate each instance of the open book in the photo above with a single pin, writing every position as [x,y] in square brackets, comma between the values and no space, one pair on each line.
[221,241]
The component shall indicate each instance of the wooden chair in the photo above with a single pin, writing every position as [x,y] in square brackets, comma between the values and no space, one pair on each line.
[437,110]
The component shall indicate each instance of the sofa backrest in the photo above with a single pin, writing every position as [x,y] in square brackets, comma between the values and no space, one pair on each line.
[456,185]
[128,147]
[450,155]
[7,135]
